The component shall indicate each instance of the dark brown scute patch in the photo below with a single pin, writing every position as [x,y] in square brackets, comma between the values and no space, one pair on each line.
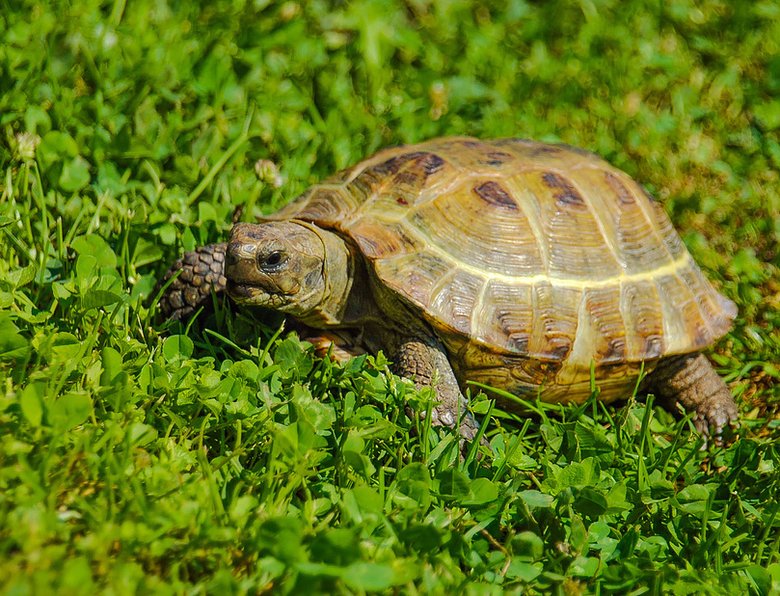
[496,158]
[654,347]
[557,347]
[429,162]
[619,188]
[542,149]
[508,323]
[519,342]
[566,193]
[616,350]
[406,177]
[393,165]
[560,352]
[492,192]
[471,143]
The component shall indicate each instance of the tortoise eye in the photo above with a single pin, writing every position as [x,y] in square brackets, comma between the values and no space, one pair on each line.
[272,261]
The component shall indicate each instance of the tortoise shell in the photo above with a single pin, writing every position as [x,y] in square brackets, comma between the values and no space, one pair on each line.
[524,256]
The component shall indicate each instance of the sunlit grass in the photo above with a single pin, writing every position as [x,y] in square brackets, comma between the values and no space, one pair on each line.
[224,456]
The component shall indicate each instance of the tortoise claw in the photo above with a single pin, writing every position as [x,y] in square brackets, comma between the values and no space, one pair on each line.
[717,421]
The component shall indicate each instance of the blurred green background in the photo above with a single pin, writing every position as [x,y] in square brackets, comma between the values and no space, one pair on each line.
[138,458]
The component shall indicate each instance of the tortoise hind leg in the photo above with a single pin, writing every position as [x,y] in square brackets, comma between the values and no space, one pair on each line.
[202,271]
[692,381]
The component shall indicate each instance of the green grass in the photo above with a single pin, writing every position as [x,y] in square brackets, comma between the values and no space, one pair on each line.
[226,458]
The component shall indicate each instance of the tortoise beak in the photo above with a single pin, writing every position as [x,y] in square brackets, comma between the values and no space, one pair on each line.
[247,284]
[240,263]
[246,294]
[242,274]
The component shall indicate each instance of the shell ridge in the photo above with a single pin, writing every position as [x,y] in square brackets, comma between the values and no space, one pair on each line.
[632,326]
[669,268]
[532,216]
[429,195]
[478,312]
[580,347]
[609,242]
[444,280]
[642,203]
[453,300]
[695,297]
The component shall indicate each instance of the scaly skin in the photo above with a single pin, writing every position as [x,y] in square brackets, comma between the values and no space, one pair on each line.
[202,272]
[691,381]
[425,362]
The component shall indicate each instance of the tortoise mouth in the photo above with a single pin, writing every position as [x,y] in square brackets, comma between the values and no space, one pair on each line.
[244,293]
[252,295]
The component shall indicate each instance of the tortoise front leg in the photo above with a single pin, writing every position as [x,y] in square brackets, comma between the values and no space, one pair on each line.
[202,272]
[692,381]
[425,362]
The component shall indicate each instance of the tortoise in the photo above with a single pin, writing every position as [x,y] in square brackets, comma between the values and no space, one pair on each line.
[523,266]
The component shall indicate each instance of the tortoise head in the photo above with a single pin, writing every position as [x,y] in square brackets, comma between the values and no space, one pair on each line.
[290,266]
